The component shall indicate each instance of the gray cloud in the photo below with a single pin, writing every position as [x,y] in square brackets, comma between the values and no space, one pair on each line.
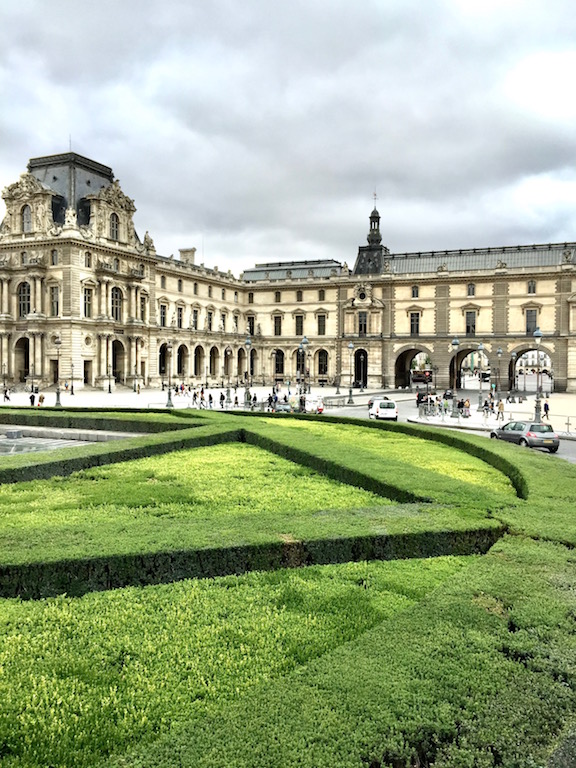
[259,131]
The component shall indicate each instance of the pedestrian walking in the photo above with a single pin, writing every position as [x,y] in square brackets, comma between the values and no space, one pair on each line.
[500,415]
[547,410]
[6,394]
[32,398]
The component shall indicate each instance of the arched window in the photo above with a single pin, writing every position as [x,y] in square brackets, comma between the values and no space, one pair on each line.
[26,219]
[321,294]
[531,286]
[195,290]
[162,281]
[415,291]
[180,285]
[88,260]
[23,299]
[116,297]
[279,362]
[322,362]
[471,291]
[116,265]
[54,257]
[114,226]
[298,295]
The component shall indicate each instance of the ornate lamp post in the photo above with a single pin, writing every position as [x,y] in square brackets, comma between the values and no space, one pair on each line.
[362,371]
[4,375]
[169,403]
[537,407]
[303,347]
[135,377]
[350,352]
[248,344]
[498,381]
[480,353]
[32,378]
[455,345]
[71,378]
[309,369]
[58,344]
[227,354]
[513,356]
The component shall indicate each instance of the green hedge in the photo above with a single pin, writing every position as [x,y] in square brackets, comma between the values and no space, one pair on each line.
[77,577]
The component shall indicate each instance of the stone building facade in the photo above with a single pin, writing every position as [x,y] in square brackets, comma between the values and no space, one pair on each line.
[84,299]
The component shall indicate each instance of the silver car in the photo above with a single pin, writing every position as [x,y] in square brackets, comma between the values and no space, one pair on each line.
[529,434]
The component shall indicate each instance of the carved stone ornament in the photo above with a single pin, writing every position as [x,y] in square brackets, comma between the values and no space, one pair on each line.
[113,195]
[501,264]
[567,257]
[27,185]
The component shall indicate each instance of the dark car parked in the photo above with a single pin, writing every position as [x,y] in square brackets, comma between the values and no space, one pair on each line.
[529,434]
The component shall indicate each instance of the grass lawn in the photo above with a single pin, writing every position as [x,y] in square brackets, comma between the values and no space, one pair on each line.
[445,662]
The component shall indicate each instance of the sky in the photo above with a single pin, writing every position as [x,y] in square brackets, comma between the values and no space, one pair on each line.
[261,131]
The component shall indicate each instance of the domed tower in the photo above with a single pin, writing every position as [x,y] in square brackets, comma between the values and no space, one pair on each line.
[370,259]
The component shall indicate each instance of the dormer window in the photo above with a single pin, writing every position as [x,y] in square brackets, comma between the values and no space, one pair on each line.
[114,226]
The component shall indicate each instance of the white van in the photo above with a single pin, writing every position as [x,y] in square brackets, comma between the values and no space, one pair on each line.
[384,409]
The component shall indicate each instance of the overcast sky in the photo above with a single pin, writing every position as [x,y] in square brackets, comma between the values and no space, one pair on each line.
[258,130]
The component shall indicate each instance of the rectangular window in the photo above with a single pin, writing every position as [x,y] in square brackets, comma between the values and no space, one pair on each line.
[531,321]
[54,300]
[143,309]
[235,323]
[251,298]
[471,323]
[87,302]
[414,323]
[210,320]
[299,325]
[251,324]
[362,323]
[194,319]
[163,312]
[223,321]
[321,325]
[277,325]
[180,316]
[277,297]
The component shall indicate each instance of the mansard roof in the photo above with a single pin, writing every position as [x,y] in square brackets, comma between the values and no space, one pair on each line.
[476,259]
[287,270]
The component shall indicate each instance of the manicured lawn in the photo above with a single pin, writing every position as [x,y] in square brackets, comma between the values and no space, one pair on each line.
[446,662]
[82,677]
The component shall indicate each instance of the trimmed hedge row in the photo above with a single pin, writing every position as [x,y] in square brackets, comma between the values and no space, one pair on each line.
[70,460]
[479,675]
[481,450]
[94,419]
[74,578]
[331,469]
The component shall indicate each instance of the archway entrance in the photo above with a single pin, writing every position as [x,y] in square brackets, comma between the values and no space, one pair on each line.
[118,361]
[22,359]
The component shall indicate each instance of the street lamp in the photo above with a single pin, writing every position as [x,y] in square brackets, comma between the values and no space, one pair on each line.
[537,407]
[58,344]
[169,403]
[362,372]
[513,356]
[480,352]
[135,377]
[71,378]
[32,378]
[455,345]
[309,356]
[350,351]
[248,345]
[499,353]
[227,354]
[4,374]
[303,347]
[109,379]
